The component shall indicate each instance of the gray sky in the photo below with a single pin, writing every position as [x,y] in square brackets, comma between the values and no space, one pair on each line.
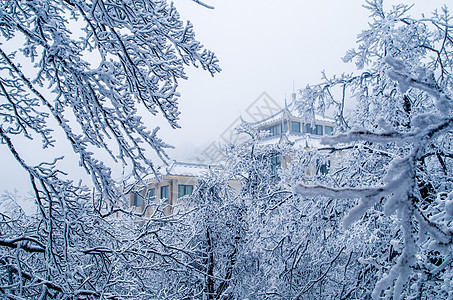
[262,46]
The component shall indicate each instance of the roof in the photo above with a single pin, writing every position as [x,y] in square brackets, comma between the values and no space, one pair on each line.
[177,168]
[292,112]
[302,140]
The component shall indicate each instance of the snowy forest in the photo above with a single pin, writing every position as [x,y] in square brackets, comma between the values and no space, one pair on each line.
[377,225]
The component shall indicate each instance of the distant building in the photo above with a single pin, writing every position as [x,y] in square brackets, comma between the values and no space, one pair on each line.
[285,126]
[178,181]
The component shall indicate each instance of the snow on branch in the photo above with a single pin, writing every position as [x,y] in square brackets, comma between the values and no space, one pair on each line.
[203,4]
[404,105]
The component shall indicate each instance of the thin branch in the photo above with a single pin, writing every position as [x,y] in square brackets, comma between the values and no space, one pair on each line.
[311,283]
[203,4]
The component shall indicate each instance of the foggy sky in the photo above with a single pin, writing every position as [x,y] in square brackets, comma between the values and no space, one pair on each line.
[263,46]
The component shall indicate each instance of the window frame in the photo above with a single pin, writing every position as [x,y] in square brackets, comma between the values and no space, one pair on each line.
[285,126]
[185,187]
[148,197]
[137,199]
[276,164]
[318,130]
[322,167]
[293,123]
[167,189]
[275,129]
[307,128]
[328,130]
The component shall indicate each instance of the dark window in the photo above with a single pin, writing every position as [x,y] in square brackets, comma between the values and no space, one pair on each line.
[295,126]
[164,192]
[275,164]
[151,195]
[285,126]
[322,167]
[274,130]
[318,130]
[307,128]
[136,199]
[184,190]
[328,130]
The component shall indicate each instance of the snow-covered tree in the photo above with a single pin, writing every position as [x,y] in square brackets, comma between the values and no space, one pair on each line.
[295,247]
[397,147]
[86,71]
[217,227]
[218,224]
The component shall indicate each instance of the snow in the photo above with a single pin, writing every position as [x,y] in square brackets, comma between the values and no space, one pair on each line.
[449,207]
[278,234]
[189,169]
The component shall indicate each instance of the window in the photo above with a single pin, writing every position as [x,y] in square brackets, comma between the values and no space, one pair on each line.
[322,167]
[328,130]
[295,126]
[274,130]
[307,128]
[275,164]
[318,130]
[184,190]
[151,195]
[285,126]
[164,192]
[136,199]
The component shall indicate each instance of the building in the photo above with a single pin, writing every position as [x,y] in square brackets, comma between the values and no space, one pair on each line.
[285,126]
[161,196]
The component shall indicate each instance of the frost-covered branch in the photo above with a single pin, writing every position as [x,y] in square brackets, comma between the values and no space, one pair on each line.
[404,104]
[86,71]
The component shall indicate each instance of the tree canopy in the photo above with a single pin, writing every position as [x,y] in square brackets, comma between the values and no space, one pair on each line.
[397,145]
[377,225]
[87,71]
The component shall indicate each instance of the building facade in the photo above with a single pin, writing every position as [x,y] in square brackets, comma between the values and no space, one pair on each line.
[153,197]
[285,126]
